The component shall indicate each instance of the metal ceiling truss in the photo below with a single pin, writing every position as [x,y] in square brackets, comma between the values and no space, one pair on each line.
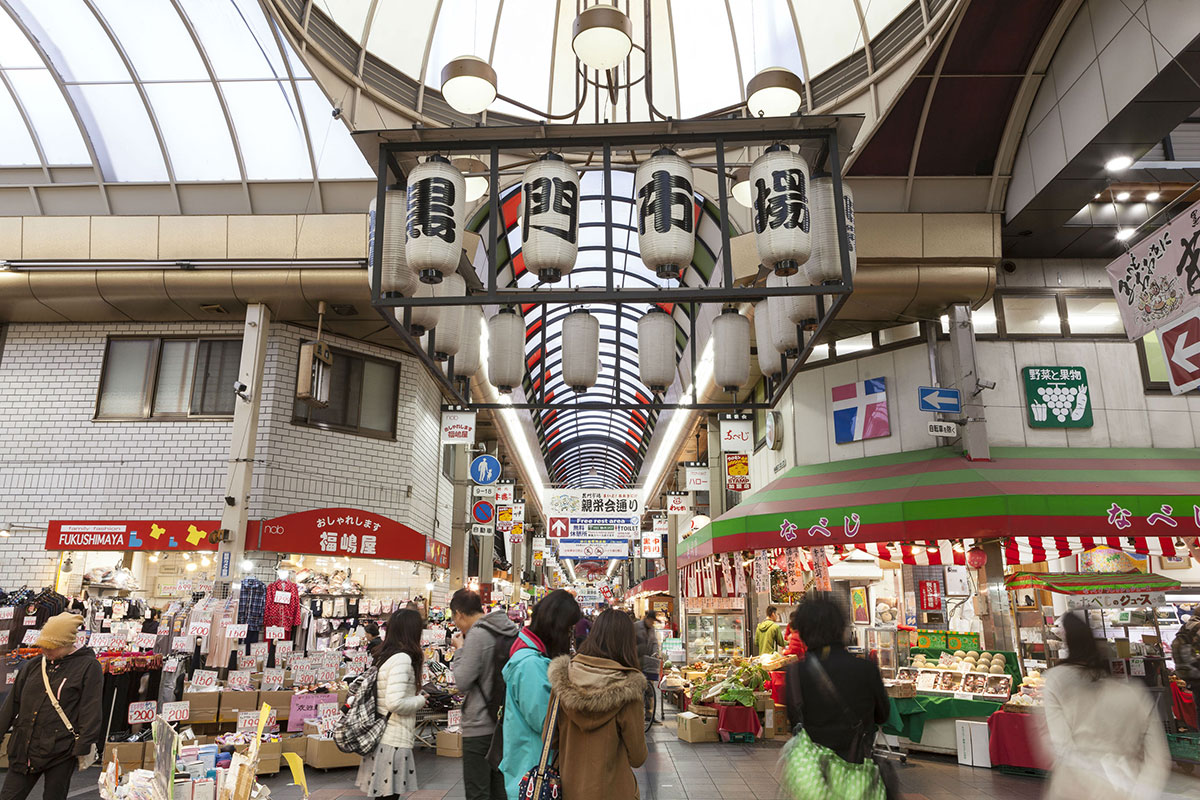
[713,136]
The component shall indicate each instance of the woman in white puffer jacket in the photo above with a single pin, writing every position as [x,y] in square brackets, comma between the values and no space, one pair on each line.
[391,770]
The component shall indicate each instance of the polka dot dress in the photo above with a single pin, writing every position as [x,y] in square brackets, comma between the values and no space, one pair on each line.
[813,772]
[389,770]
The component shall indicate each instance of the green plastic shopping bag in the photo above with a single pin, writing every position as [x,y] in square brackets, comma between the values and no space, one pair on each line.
[813,772]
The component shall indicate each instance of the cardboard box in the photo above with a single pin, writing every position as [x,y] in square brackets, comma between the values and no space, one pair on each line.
[203,706]
[281,701]
[973,744]
[129,755]
[694,728]
[449,744]
[233,703]
[783,728]
[270,758]
[324,754]
[294,744]
[4,751]
[763,701]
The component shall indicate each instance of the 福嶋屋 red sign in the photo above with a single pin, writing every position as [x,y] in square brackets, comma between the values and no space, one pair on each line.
[342,532]
[113,534]
[931,596]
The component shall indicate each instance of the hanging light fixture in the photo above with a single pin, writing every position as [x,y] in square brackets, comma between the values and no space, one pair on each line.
[825,263]
[549,217]
[449,325]
[741,186]
[768,359]
[779,182]
[435,219]
[774,92]
[396,278]
[580,350]
[656,349]
[422,318]
[506,350]
[466,360]
[476,183]
[731,350]
[469,84]
[785,338]
[666,209]
[602,37]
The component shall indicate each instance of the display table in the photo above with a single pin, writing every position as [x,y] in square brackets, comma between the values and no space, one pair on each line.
[1013,741]
[927,721]
[738,719]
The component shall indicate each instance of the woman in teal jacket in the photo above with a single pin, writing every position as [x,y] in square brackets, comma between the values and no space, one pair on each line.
[527,688]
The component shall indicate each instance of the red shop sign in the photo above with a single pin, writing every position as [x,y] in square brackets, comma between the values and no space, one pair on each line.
[931,596]
[437,553]
[342,532]
[123,534]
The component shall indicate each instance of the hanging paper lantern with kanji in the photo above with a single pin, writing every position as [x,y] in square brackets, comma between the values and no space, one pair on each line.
[656,349]
[580,350]
[780,209]
[436,208]
[731,350]
[550,217]
[825,263]
[666,211]
[506,350]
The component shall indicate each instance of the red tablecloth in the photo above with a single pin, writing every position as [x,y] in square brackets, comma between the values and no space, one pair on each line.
[1184,706]
[738,719]
[1010,741]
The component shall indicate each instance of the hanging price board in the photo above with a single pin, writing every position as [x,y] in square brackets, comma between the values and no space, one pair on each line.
[283,649]
[181,644]
[239,679]
[176,712]
[142,713]
[246,662]
[199,628]
[144,641]
[302,676]
[6,612]
[248,720]
[326,710]
[275,632]
[29,621]
[100,641]
[31,636]
[326,674]
[170,665]
[184,586]
[259,649]
[272,679]
[204,678]
[454,720]
[236,631]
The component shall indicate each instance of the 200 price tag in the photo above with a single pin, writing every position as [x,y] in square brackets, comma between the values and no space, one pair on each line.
[199,628]
[236,631]
[176,712]
[239,679]
[143,712]
[204,678]
[275,632]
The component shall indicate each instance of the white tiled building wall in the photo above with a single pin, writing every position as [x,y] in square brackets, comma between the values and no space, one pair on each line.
[60,464]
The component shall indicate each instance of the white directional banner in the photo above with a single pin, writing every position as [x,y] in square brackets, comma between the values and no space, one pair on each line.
[593,548]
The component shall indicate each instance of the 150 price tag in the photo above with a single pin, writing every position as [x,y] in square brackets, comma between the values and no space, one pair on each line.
[142,713]
[176,712]
[275,632]
[204,678]
[236,631]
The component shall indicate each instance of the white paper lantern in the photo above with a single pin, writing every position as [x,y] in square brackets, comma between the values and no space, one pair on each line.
[656,349]
[666,209]
[825,262]
[768,358]
[788,312]
[580,350]
[423,318]
[466,360]
[397,279]
[448,331]
[435,219]
[731,350]
[550,217]
[506,350]
[780,209]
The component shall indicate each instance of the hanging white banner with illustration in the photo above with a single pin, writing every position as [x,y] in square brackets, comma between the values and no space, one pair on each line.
[458,427]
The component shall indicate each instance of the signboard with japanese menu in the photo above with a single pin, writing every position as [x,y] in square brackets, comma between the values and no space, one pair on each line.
[931,595]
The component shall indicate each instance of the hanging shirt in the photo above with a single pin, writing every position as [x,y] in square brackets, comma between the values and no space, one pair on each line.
[280,611]
[251,604]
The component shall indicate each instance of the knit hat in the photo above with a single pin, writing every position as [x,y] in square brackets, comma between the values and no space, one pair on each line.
[60,631]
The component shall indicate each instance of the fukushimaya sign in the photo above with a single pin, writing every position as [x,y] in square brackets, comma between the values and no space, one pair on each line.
[1158,280]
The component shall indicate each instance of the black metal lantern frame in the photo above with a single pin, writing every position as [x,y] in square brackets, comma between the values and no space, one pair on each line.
[488,143]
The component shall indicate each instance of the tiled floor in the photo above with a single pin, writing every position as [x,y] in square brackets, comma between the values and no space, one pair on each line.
[678,770]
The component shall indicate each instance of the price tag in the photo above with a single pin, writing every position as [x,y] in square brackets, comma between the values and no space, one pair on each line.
[199,628]
[246,662]
[326,674]
[283,598]
[176,712]
[142,713]
[202,586]
[29,621]
[361,659]
[962,696]
[170,665]
[6,612]
[181,644]
[272,679]
[454,720]
[1137,666]
[331,658]
[144,641]
[326,710]
[248,720]
[236,631]
[303,676]
[259,649]
[283,649]
[239,679]
[275,632]
[100,641]
[105,623]
[4,637]
[10,678]
[325,725]
[204,678]
[31,636]
[300,662]
[184,586]
[353,641]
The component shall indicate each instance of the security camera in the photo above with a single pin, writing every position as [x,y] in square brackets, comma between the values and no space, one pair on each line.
[239,389]
[230,500]
[985,384]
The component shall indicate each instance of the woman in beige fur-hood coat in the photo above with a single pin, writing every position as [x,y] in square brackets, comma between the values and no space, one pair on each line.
[601,726]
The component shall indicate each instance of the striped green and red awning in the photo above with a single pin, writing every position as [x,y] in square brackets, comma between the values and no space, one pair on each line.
[937,494]
[1091,582]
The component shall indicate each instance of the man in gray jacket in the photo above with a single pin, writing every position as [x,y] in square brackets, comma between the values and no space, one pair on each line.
[474,667]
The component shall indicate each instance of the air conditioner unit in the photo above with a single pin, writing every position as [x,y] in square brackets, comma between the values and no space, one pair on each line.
[313,378]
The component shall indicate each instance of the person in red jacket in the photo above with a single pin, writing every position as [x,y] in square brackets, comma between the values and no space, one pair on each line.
[795,645]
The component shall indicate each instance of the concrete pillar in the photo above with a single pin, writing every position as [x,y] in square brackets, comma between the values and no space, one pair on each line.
[716,469]
[994,606]
[235,515]
[518,565]
[672,553]
[966,378]
[460,540]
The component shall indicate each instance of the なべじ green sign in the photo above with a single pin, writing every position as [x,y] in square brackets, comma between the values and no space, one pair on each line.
[1057,397]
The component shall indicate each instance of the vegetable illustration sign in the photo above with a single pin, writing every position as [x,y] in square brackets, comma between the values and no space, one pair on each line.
[1057,397]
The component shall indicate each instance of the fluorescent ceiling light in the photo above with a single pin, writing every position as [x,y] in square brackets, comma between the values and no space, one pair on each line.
[1124,233]
[1152,196]
[1122,196]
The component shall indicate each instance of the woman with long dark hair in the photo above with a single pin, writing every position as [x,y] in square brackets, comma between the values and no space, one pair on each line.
[601,734]
[527,688]
[1105,736]
[391,769]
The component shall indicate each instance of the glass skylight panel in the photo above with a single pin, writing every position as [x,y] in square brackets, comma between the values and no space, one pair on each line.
[707,70]
[230,40]
[120,132]
[351,15]
[269,130]
[880,13]
[154,39]
[51,117]
[523,72]
[194,129]
[73,39]
[16,145]
[295,63]
[336,154]
[766,37]
[462,29]
[15,49]
[399,32]
[829,32]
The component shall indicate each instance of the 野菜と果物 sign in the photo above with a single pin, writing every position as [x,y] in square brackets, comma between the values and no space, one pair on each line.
[1057,397]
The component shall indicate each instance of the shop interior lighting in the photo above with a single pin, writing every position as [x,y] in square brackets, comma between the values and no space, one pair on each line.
[205,561]
[187,556]
[1118,163]
[5,529]
[281,573]
[191,566]
[774,92]
[152,558]
[247,565]
[469,84]
[741,186]
[1124,233]
[1152,196]
[429,587]
[1122,197]
[602,37]
[1097,197]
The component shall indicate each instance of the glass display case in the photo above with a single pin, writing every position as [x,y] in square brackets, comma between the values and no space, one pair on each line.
[731,634]
[701,637]
[888,649]
[715,635]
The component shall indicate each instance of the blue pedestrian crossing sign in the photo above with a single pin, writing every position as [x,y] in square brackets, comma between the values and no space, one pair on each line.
[933,398]
[485,470]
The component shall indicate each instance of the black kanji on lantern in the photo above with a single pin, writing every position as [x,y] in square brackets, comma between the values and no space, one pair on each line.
[659,197]
[544,194]
[431,208]
[783,204]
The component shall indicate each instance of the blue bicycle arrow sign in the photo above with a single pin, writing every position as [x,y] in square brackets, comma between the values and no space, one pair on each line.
[933,398]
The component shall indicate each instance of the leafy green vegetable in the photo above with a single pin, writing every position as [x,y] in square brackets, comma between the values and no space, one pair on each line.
[738,694]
